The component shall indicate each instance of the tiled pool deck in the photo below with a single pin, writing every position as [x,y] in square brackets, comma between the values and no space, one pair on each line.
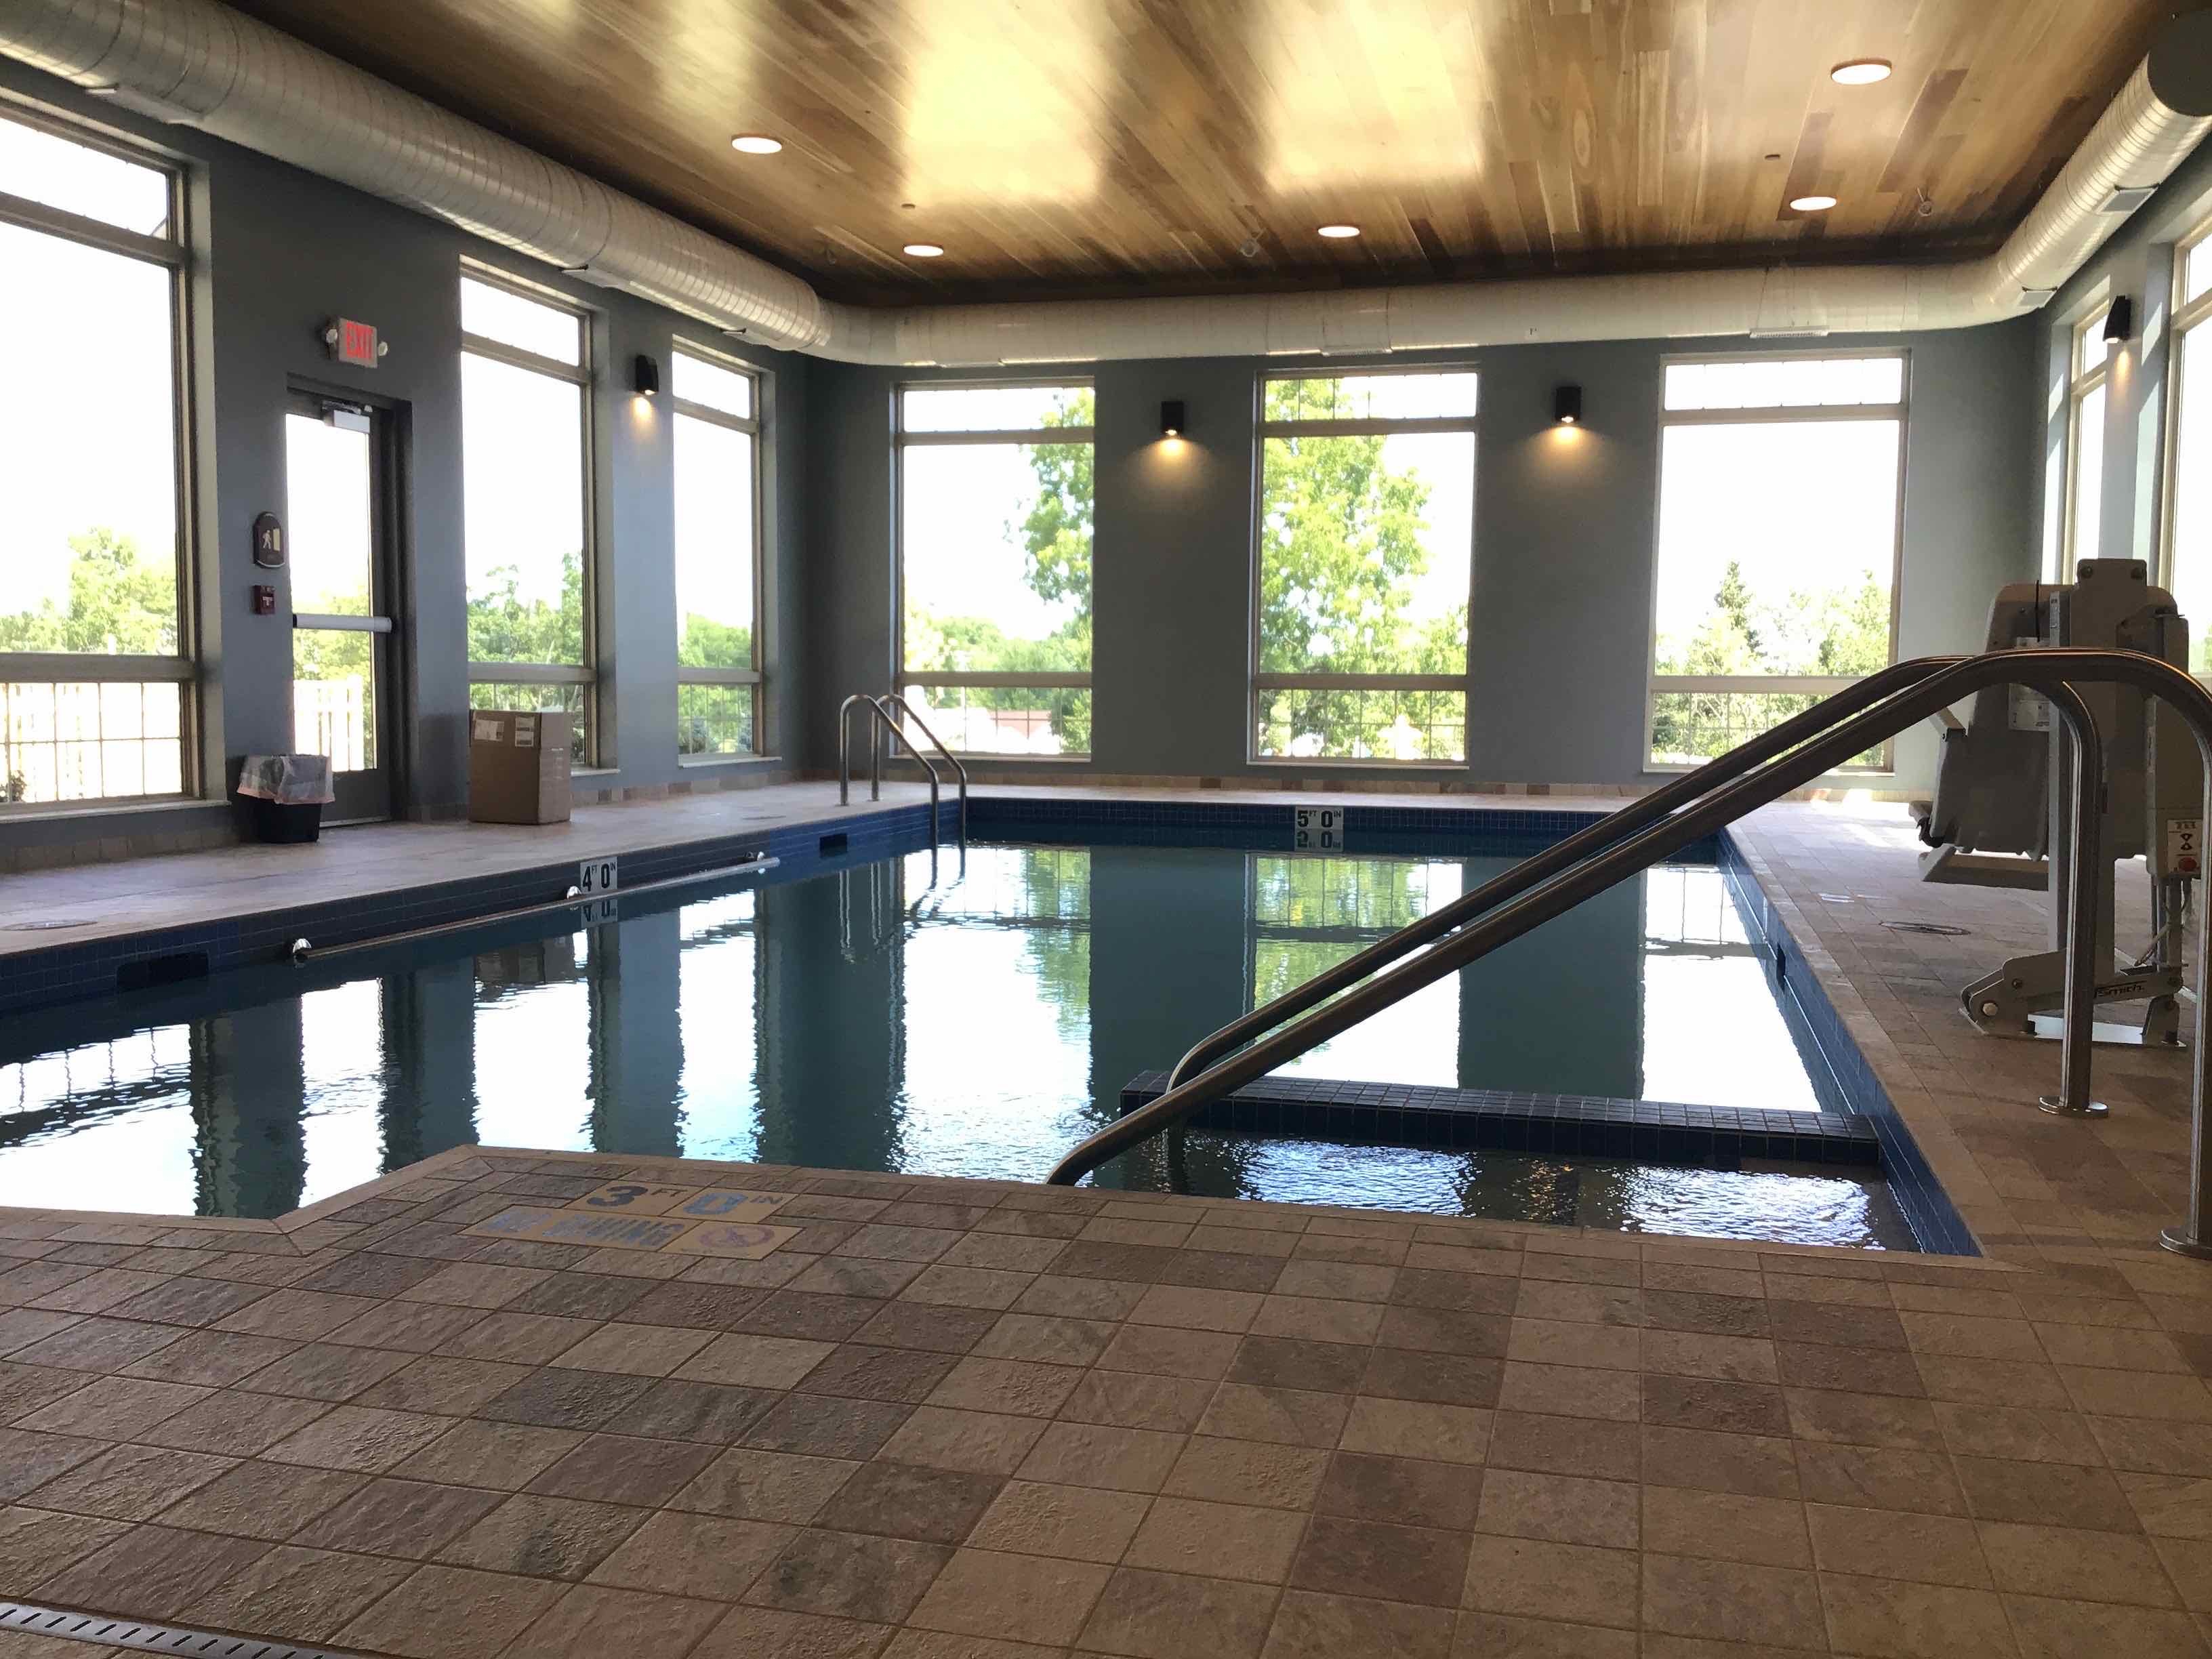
[967,1420]
[961,1419]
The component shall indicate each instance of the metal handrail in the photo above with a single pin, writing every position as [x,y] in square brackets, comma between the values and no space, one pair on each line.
[959,766]
[2046,671]
[1561,855]
[880,707]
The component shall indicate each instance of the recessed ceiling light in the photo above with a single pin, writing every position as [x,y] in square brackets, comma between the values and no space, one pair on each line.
[756,143]
[1339,232]
[922,250]
[1813,204]
[1860,72]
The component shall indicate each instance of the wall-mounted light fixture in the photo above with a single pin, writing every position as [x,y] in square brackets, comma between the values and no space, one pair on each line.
[645,375]
[2120,321]
[1567,405]
[1172,418]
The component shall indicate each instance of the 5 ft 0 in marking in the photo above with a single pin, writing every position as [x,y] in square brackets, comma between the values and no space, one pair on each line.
[1318,830]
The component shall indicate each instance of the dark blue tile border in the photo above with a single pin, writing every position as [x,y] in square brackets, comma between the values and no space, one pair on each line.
[1586,1125]
[1841,1072]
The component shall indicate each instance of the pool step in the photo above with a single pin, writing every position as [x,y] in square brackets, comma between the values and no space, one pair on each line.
[1584,1126]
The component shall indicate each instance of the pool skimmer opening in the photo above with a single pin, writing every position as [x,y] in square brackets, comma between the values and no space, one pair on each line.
[143,1636]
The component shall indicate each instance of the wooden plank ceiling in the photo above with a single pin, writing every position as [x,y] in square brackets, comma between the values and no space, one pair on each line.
[1118,146]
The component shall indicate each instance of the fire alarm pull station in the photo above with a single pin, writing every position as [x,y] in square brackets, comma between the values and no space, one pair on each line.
[264,601]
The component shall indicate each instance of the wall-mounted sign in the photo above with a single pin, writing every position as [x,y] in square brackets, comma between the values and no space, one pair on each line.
[353,343]
[268,541]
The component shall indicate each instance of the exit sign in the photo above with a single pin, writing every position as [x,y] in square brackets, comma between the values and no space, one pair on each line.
[353,343]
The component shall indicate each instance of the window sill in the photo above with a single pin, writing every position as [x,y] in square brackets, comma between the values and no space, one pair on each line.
[707,762]
[122,807]
[1301,763]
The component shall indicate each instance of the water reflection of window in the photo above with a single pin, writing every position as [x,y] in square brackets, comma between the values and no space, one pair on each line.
[1308,914]
[111,1119]
[1696,959]
[718,977]
[1006,948]
[533,1044]
[342,1086]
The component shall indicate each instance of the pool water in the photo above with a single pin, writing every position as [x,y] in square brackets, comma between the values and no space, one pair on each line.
[933,1014]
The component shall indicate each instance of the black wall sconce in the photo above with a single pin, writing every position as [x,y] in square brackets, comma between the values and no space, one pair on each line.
[645,375]
[1567,405]
[1172,418]
[2120,321]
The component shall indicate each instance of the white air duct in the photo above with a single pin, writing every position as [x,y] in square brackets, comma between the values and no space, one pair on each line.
[200,63]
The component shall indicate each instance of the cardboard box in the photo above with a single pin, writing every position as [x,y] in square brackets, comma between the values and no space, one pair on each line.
[517,766]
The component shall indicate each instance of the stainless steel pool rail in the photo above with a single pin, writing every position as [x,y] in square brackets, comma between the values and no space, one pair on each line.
[885,720]
[1674,819]
[303,951]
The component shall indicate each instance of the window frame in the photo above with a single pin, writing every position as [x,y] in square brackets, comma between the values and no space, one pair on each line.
[902,442]
[2187,314]
[174,252]
[2080,384]
[755,427]
[1256,682]
[1823,685]
[582,375]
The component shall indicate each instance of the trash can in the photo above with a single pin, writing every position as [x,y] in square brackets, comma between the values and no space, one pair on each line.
[284,796]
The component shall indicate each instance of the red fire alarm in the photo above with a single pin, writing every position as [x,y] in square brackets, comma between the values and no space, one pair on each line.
[264,601]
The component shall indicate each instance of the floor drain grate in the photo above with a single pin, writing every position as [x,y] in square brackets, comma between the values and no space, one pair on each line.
[1940,929]
[40,927]
[142,1636]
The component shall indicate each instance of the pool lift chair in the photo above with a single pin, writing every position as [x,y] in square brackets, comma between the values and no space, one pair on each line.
[1999,816]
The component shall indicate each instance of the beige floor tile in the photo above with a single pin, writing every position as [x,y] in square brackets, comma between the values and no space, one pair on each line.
[2055,1629]
[1725,1527]
[1215,1539]
[1081,1524]
[1291,1416]
[1891,1619]
[705,1556]
[1564,1509]
[1571,1583]
[1879,1476]
[1017,1387]
[1248,1471]
[1158,1615]
[1731,1602]
[1406,1428]
[2076,1564]
[1098,1454]
[1024,1598]
[1930,1549]
[1311,1625]
[757,1362]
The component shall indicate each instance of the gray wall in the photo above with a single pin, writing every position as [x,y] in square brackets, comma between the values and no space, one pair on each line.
[1564,537]
[2138,262]
[276,252]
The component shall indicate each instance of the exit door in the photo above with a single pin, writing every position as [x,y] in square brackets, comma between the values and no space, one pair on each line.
[335,469]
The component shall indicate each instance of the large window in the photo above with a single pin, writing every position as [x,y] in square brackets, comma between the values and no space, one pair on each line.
[525,472]
[1365,560]
[718,540]
[95,667]
[2085,370]
[994,564]
[2189,511]
[1780,484]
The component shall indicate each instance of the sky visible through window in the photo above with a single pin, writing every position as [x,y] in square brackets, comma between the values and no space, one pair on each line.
[87,430]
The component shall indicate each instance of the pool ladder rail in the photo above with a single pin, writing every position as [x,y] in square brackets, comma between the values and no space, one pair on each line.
[885,720]
[1658,826]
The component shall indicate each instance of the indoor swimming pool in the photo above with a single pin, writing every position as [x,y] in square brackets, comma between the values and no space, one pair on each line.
[943,1013]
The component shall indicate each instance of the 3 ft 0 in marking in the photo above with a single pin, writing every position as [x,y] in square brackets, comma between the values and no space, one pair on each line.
[1319,829]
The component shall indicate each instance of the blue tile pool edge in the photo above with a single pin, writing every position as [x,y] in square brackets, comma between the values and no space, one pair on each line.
[1850,1080]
